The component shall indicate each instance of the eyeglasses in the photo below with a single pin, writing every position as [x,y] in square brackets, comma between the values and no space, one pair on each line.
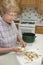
[12,14]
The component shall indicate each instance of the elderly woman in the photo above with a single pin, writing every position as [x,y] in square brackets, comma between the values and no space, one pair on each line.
[8,32]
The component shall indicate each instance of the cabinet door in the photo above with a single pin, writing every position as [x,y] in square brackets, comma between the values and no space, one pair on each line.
[39,29]
[37,3]
[28,3]
[40,6]
[18,1]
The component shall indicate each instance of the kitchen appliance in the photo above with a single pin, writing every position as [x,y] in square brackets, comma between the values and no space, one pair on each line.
[27,27]
[28,37]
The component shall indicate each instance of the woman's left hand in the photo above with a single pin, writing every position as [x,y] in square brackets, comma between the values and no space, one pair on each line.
[23,44]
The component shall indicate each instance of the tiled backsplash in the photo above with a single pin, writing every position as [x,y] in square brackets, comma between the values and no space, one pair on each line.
[30,14]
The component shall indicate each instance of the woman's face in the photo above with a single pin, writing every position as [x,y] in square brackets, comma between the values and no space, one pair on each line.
[9,17]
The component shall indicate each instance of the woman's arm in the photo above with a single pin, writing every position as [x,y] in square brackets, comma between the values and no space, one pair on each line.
[21,41]
[5,50]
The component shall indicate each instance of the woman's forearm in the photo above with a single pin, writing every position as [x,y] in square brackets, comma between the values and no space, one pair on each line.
[21,41]
[19,38]
[5,50]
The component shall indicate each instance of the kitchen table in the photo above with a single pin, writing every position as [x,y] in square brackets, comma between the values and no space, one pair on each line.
[14,59]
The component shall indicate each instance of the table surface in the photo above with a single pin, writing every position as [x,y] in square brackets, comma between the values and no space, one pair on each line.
[11,59]
[37,46]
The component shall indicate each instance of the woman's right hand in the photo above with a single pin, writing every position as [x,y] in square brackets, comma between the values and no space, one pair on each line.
[15,49]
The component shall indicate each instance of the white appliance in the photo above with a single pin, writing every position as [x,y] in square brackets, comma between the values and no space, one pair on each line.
[27,27]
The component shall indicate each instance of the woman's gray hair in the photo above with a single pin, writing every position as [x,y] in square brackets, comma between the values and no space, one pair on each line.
[8,5]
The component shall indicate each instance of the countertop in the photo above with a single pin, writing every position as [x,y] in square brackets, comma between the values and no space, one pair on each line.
[9,59]
[13,59]
[39,23]
[37,46]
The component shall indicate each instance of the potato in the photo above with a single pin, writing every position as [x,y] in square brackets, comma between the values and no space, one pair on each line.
[21,48]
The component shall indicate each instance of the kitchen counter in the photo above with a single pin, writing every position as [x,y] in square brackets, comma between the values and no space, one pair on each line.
[39,23]
[9,59]
[37,46]
[13,59]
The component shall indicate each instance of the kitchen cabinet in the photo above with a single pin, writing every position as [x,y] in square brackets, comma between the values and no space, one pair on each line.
[18,1]
[31,3]
[40,6]
[0,1]
[36,3]
[19,5]
[28,3]
[39,29]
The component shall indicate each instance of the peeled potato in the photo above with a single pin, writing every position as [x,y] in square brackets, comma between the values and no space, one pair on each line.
[21,48]
[26,57]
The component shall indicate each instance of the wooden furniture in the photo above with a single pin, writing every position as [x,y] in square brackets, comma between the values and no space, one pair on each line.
[28,3]
[39,29]
[39,4]
[42,64]
[36,3]
[18,1]
[32,3]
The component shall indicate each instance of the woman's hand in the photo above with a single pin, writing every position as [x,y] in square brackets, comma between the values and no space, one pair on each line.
[23,43]
[15,49]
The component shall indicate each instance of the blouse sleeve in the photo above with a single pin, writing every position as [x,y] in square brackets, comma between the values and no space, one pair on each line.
[3,41]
